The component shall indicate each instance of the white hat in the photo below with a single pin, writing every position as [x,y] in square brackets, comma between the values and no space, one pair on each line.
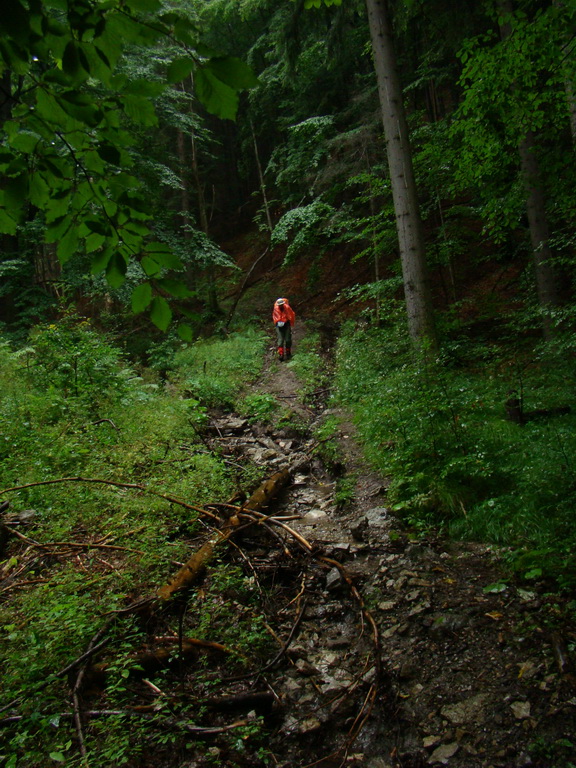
[280,301]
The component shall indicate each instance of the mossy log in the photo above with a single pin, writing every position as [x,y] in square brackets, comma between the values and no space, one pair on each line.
[266,492]
[194,568]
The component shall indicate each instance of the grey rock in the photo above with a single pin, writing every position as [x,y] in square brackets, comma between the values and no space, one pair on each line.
[313,516]
[333,579]
[377,516]
[471,710]
[359,529]
[305,668]
[443,753]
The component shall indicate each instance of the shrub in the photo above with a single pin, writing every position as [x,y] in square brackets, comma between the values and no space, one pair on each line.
[439,429]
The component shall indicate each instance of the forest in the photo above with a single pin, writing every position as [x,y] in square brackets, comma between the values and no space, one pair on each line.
[360,556]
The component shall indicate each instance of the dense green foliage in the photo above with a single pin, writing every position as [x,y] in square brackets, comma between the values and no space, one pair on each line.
[439,429]
[71,407]
[78,96]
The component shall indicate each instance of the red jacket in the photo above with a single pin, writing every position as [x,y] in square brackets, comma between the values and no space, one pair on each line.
[283,312]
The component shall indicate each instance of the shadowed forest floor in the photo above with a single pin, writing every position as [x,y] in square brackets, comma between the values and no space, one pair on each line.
[409,650]
[330,633]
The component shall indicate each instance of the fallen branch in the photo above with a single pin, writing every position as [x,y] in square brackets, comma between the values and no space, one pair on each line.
[151,660]
[71,544]
[21,584]
[106,421]
[196,565]
[196,730]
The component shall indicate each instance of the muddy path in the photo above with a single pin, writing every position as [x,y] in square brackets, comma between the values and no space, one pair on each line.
[396,651]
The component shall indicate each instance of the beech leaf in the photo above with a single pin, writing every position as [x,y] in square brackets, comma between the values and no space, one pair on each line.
[160,313]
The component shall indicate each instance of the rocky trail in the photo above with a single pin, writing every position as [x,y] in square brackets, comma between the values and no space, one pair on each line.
[396,651]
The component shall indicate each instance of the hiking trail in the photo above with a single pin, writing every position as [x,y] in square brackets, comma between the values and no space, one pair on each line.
[460,667]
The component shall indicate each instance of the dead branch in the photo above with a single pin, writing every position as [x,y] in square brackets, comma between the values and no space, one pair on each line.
[152,659]
[70,544]
[106,421]
[92,649]
[262,702]
[196,565]
[21,584]
[286,645]
[267,491]
[196,730]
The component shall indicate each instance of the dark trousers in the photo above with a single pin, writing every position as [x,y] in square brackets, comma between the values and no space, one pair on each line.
[284,335]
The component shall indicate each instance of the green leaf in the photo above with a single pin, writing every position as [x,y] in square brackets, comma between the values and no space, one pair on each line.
[40,190]
[8,225]
[48,109]
[175,288]
[68,245]
[14,21]
[185,332]
[139,109]
[57,204]
[97,225]
[150,266]
[160,313]
[191,315]
[94,242]
[533,573]
[57,229]
[143,87]
[81,107]
[141,297]
[109,153]
[180,69]
[116,270]
[233,71]
[145,6]
[16,191]
[58,756]
[217,97]
[163,256]
[25,142]
[17,56]
[100,261]
[71,63]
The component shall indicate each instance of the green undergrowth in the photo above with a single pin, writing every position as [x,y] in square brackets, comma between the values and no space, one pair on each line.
[215,370]
[439,429]
[308,364]
[89,452]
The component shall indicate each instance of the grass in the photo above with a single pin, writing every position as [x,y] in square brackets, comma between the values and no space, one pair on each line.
[439,429]
[71,406]
[308,364]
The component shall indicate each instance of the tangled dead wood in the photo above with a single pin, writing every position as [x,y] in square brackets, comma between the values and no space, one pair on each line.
[231,519]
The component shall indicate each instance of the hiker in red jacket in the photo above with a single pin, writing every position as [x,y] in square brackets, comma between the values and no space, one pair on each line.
[283,318]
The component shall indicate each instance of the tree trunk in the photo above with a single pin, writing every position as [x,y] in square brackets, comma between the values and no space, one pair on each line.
[184,192]
[406,207]
[568,81]
[261,180]
[211,295]
[546,280]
